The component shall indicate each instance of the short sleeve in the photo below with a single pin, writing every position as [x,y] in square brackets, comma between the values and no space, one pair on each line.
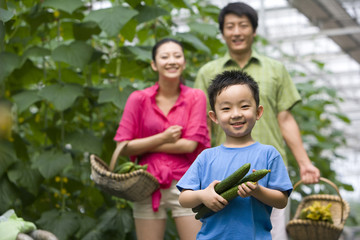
[288,94]
[196,126]
[191,178]
[279,178]
[129,123]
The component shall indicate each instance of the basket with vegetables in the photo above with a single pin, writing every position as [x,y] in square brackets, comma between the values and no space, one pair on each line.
[319,216]
[128,180]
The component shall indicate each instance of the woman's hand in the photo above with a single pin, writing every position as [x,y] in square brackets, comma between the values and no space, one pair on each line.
[172,134]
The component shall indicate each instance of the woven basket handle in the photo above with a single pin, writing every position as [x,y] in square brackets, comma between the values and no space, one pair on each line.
[331,184]
[117,152]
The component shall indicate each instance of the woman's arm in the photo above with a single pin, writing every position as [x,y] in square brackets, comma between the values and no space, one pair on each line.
[143,145]
[271,197]
[180,146]
[207,196]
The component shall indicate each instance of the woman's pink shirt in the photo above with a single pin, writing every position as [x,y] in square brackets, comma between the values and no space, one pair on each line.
[143,118]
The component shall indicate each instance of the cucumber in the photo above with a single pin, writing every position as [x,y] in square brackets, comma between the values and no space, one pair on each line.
[231,193]
[228,182]
[231,180]
[254,176]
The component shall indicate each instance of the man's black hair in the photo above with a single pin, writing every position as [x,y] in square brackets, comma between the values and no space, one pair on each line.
[239,9]
[230,78]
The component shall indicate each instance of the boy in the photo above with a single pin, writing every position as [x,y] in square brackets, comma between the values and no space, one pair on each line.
[234,102]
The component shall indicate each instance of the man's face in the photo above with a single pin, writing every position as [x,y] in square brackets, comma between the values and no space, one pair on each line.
[238,34]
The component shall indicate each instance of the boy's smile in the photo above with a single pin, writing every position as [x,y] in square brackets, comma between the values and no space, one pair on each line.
[236,113]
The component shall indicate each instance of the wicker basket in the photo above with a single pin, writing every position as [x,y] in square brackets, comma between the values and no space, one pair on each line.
[133,186]
[301,229]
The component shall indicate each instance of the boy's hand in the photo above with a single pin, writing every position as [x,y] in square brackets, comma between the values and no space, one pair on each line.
[246,189]
[213,200]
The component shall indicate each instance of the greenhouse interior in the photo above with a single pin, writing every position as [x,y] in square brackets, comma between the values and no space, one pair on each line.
[68,67]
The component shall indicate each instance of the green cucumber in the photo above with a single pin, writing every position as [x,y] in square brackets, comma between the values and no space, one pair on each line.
[228,182]
[231,180]
[254,176]
[231,193]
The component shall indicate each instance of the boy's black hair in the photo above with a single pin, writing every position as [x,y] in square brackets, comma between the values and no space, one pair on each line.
[161,42]
[239,9]
[230,78]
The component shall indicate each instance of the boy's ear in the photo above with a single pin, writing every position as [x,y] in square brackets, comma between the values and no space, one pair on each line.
[212,116]
[259,112]
[153,66]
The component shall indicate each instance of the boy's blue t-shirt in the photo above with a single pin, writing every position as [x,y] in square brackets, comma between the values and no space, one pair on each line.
[243,218]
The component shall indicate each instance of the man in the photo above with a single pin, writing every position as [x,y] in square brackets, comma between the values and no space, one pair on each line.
[278,94]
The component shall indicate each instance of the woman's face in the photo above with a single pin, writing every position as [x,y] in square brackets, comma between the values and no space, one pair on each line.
[169,61]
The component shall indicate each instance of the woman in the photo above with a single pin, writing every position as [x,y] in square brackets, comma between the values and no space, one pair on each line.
[166,124]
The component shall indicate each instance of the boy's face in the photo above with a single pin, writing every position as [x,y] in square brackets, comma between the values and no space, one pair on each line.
[236,111]
[238,33]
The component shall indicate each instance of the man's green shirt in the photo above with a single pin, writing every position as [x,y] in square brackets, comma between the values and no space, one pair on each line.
[277,93]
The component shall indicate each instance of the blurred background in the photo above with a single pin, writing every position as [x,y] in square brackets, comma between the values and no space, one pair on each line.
[67,68]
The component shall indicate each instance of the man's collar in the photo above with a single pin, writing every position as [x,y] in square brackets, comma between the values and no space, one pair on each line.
[228,61]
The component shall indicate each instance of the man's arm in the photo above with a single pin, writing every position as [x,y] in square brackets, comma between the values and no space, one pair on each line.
[291,134]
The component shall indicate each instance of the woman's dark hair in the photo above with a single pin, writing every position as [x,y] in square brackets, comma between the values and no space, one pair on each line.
[161,42]
[230,78]
[239,9]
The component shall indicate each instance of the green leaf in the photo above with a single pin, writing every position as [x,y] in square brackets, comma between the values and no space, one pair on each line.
[84,142]
[181,4]
[5,15]
[114,96]
[109,20]
[62,224]
[87,223]
[84,31]
[204,29]
[319,64]
[51,163]
[9,62]
[68,6]
[111,95]
[7,194]
[129,30]
[77,54]
[133,3]
[25,99]
[7,156]
[35,51]
[140,53]
[192,40]
[62,96]
[131,68]
[112,218]
[23,176]
[25,76]
[147,13]
[68,75]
